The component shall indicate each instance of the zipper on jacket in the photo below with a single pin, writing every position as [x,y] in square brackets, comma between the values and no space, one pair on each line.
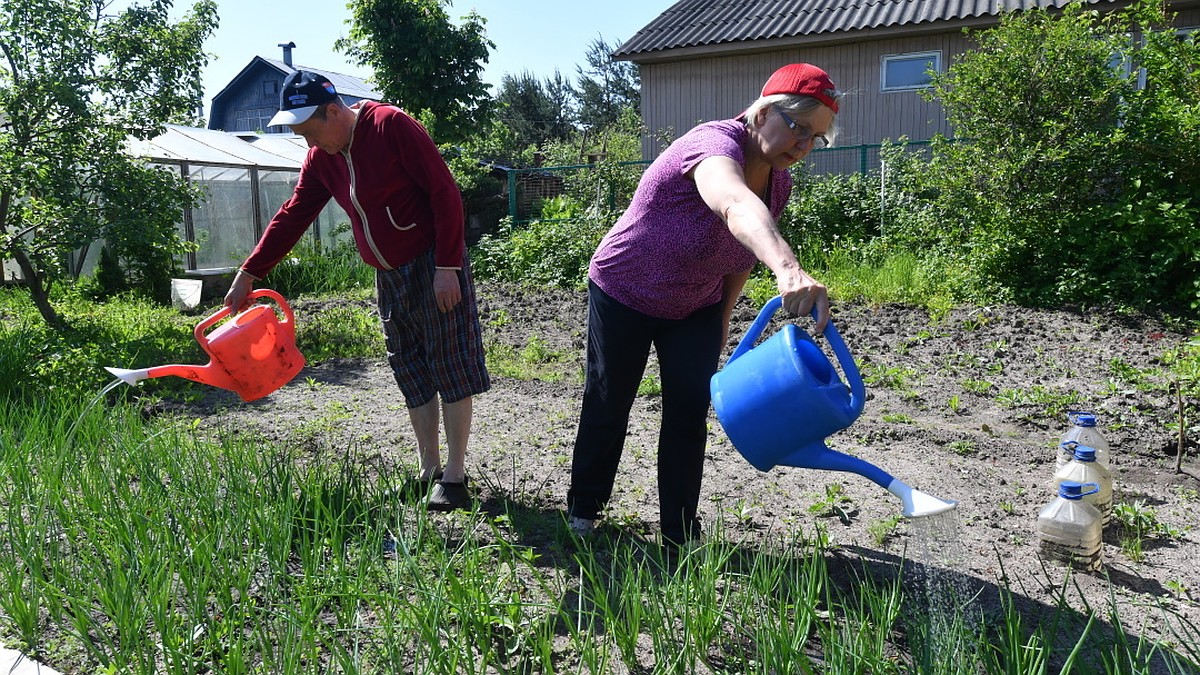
[366,225]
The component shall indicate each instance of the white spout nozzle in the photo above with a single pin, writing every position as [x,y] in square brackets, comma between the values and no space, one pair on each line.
[129,377]
[917,503]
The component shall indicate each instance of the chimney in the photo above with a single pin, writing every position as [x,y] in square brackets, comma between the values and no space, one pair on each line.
[287,52]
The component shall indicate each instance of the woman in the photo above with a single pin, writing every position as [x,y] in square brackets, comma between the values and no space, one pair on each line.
[668,275]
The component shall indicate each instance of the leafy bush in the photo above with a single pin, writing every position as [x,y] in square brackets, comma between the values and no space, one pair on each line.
[831,212]
[316,268]
[1077,185]
[547,252]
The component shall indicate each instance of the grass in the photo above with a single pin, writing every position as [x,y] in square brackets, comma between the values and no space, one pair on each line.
[142,548]
[533,361]
[898,277]
[138,546]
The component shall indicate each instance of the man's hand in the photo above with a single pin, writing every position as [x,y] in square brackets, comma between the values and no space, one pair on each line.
[242,284]
[446,289]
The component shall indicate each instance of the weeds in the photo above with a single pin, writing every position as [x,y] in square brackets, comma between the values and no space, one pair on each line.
[1052,403]
[962,448]
[977,386]
[882,530]
[834,502]
[650,386]
[1139,523]
[534,361]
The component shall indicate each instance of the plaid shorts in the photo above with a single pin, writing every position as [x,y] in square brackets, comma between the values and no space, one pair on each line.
[430,352]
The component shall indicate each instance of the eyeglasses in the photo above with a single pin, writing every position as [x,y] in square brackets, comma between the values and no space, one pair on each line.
[802,133]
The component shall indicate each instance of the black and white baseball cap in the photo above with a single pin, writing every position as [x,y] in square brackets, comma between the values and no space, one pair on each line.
[303,92]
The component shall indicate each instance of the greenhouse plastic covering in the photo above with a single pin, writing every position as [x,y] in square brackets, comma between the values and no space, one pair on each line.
[204,146]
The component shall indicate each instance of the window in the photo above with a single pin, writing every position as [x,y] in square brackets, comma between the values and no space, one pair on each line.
[270,88]
[901,72]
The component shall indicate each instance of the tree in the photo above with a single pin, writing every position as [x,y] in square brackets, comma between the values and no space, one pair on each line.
[1075,183]
[424,63]
[606,87]
[536,112]
[75,85]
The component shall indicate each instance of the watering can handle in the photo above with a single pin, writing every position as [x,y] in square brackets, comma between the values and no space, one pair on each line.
[858,393]
[223,312]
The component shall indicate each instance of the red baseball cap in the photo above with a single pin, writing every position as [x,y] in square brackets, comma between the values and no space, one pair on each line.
[802,79]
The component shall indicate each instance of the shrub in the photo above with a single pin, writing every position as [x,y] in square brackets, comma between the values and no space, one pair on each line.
[545,252]
[321,268]
[1077,185]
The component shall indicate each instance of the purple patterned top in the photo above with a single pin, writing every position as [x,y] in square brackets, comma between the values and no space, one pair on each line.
[668,253]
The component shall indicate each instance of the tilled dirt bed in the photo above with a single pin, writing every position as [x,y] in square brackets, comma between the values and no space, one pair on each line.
[968,406]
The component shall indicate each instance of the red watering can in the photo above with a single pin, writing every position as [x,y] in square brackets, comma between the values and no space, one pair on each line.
[253,354]
[779,401]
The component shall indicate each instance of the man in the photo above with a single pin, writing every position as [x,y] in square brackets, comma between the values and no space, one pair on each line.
[407,217]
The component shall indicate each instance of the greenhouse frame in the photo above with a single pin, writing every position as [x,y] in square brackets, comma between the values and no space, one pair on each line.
[247,177]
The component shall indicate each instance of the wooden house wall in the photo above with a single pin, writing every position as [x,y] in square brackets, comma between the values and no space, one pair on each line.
[252,104]
[677,95]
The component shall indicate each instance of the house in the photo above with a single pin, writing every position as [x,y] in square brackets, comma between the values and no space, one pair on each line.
[706,59]
[251,98]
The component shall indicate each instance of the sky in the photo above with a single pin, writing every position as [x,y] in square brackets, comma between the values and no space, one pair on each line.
[530,35]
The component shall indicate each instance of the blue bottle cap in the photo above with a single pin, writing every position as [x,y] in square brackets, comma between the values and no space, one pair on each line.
[1081,419]
[1069,489]
[1085,454]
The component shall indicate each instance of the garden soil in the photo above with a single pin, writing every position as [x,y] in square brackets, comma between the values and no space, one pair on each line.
[967,406]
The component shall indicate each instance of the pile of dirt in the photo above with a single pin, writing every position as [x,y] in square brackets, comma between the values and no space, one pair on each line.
[967,406]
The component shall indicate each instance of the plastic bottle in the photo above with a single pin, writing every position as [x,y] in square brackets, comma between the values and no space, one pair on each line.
[1069,530]
[1084,468]
[1084,432]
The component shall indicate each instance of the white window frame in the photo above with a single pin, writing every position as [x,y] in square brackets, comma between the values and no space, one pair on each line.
[931,56]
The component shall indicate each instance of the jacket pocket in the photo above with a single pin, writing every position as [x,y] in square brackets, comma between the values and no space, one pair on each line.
[392,220]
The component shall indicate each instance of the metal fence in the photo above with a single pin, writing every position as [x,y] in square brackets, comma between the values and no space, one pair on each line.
[594,185]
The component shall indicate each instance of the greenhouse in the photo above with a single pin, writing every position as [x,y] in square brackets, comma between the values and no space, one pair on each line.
[247,177]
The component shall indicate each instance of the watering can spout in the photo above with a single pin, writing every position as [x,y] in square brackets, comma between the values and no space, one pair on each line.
[820,456]
[129,377]
[207,374]
[918,504]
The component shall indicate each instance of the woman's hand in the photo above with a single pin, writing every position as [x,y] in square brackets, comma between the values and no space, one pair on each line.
[801,294]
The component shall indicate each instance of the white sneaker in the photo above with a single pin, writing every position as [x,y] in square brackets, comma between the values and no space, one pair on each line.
[581,527]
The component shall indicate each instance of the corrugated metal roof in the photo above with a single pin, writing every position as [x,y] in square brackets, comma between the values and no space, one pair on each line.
[204,146]
[694,23]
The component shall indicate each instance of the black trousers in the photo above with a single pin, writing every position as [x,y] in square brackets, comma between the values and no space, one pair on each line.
[619,341]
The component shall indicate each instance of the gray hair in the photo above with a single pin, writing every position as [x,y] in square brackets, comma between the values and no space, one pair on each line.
[793,105]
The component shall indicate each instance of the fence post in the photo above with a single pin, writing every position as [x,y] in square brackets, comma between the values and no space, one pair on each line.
[882,194]
[512,193]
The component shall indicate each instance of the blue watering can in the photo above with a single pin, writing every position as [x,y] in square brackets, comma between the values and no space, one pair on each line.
[779,401]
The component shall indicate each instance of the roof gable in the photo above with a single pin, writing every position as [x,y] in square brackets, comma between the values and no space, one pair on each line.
[346,85]
[699,23]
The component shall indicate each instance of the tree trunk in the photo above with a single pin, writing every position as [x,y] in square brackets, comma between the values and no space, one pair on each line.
[35,282]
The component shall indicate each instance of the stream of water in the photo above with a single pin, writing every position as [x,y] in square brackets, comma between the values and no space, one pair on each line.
[99,397]
[948,593]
